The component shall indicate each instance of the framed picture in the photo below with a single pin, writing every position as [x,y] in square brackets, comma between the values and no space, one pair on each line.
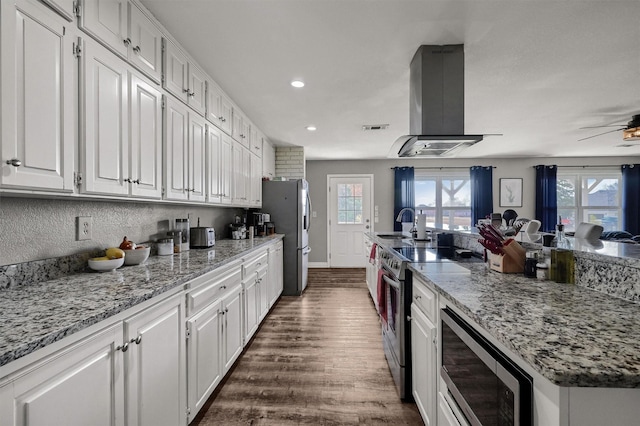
[511,192]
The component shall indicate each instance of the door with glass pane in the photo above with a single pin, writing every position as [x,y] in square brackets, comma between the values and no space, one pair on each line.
[350,200]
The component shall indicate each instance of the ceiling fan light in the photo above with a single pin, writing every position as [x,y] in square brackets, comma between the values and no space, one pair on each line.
[632,134]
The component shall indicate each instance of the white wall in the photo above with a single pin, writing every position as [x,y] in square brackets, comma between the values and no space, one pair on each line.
[317,172]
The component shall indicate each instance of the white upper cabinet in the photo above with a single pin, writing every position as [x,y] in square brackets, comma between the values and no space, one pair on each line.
[185,157]
[39,98]
[183,78]
[256,141]
[145,45]
[145,139]
[226,170]
[105,142]
[123,28]
[241,130]
[268,159]
[219,109]
[107,21]
[65,8]
[197,158]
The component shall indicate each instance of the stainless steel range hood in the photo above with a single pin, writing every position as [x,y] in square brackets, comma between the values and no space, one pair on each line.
[436,96]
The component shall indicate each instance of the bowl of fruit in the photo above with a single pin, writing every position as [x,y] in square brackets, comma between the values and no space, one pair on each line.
[135,254]
[113,259]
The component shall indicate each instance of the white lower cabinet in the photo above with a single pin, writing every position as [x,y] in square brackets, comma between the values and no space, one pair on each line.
[204,362]
[424,343]
[275,281]
[131,372]
[155,366]
[255,286]
[214,330]
[424,369]
[232,338]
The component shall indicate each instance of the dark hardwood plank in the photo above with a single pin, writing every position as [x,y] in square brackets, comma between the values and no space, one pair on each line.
[318,360]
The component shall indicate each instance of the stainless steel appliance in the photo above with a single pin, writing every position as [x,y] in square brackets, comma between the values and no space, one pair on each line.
[289,206]
[485,384]
[202,237]
[396,328]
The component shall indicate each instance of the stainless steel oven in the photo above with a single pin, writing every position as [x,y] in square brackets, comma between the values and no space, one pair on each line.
[488,388]
[396,331]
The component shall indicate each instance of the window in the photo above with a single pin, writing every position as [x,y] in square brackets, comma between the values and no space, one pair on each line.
[589,196]
[445,197]
[349,203]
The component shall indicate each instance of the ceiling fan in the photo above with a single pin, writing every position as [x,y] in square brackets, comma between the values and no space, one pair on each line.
[630,131]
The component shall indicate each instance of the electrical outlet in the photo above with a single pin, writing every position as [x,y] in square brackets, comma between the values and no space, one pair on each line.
[84,228]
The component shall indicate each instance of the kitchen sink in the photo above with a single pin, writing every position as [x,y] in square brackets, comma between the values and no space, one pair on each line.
[393,236]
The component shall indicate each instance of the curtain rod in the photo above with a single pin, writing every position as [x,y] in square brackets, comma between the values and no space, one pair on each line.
[445,167]
[584,167]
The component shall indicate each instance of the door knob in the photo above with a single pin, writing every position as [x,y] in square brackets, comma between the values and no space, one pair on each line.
[14,162]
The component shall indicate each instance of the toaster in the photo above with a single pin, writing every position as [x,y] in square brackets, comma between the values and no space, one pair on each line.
[202,237]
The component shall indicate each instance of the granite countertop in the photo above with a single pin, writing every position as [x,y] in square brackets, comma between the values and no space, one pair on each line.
[36,315]
[571,335]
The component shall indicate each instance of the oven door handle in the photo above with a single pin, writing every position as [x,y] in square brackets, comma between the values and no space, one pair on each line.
[393,283]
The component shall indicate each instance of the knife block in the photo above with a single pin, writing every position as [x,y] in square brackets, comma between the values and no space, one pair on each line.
[511,262]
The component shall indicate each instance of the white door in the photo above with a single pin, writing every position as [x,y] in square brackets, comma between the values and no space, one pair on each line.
[77,386]
[203,355]
[146,44]
[106,125]
[350,200]
[197,158]
[107,21]
[175,71]
[176,135]
[226,169]
[214,147]
[38,100]
[146,139]
[232,326]
[156,366]
[197,89]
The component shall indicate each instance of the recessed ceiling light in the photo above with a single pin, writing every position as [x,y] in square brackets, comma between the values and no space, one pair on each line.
[297,83]
[311,128]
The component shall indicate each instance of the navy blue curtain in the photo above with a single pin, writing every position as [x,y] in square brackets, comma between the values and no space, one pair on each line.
[403,194]
[631,198]
[546,197]
[481,192]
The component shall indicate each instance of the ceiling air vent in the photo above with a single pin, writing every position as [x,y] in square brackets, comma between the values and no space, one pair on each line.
[375,127]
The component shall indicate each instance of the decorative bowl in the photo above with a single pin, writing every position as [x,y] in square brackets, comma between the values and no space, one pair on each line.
[136,256]
[106,265]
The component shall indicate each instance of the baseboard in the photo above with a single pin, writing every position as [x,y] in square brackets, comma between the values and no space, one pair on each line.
[318,264]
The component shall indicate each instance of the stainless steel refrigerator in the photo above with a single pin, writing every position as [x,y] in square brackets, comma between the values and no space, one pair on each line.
[289,205]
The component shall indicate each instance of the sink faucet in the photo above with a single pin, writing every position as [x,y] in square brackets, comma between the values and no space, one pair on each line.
[413,218]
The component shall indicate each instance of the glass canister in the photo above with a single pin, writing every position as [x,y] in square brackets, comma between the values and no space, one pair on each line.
[177,240]
[165,247]
[182,225]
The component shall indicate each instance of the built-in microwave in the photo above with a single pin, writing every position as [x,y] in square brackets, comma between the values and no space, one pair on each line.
[488,388]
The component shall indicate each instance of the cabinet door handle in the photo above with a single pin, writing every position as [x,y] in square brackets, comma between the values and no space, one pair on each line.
[226,310]
[136,49]
[191,94]
[14,162]
[418,297]
[127,41]
[136,340]
[123,348]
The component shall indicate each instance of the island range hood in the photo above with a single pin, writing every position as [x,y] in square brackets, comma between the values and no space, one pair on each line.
[436,120]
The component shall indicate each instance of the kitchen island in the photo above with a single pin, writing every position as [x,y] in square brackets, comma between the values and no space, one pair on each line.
[579,345]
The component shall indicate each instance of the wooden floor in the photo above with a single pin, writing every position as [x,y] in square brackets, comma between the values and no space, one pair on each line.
[317,360]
